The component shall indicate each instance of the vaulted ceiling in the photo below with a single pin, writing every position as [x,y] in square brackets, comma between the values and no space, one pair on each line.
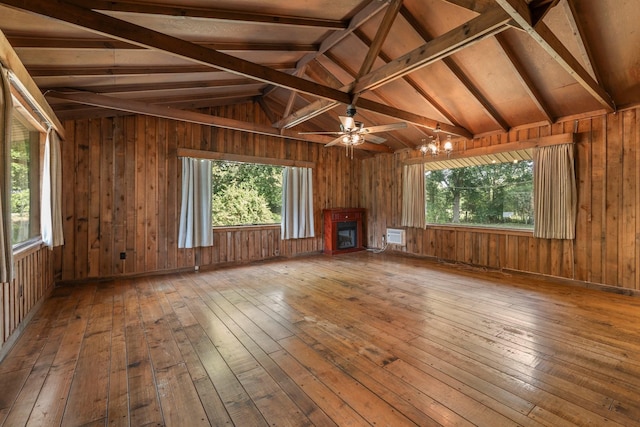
[463,67]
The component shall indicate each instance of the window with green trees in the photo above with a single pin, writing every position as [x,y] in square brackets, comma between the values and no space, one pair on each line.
[497,195]
[25,188]
[246,193]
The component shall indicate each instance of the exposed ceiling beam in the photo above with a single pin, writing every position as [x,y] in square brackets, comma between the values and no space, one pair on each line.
[57,71]
[369,11]
[520,13]
[460,75]
[540,8]
[320,106]
[358,20]
[585,48]
[412,82]
[25,42]
[155,87]
[210,13]
[123,30]
[487,24]
[412,118]
[493,21]
[527,83]
[136,107]
[383,30]
[376,45]
[75,111]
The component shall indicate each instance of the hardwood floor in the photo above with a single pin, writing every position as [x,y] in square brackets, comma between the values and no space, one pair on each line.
[356,339]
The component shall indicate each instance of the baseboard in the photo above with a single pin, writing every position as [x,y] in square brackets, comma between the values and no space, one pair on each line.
[539,276]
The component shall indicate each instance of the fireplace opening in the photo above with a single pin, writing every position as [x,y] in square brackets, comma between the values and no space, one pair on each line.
[347,234]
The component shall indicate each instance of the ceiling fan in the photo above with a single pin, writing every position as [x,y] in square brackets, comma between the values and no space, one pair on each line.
[354,133]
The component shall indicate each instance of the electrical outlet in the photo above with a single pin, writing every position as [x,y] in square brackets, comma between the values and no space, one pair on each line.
[123,255]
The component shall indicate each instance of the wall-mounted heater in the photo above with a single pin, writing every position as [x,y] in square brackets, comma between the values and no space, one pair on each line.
[396,236]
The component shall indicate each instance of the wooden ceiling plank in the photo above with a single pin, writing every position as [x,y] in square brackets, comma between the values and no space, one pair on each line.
[123,30]
[441,109]
[210,13]
[381,35]
[460,75]
[527,83]
[368,12]
[319,74]
[412,118]
[542,35]
[577,28]
[320,106]
[487,24]
[136,107]
[479,6]
[376,45]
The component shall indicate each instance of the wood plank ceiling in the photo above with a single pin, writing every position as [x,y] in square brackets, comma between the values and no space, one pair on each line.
[462,67]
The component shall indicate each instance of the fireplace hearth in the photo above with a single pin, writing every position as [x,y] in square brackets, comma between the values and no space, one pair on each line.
[343,228]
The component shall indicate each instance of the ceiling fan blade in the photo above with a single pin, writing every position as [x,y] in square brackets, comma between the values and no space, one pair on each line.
[347,122]
[334,142]
[384,128]
[375,139]
[321,133]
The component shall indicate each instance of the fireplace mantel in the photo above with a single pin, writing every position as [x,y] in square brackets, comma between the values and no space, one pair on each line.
[343,230]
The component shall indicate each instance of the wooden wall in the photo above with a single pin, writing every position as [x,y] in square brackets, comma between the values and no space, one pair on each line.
[122,187]
[607,245]
[33,281]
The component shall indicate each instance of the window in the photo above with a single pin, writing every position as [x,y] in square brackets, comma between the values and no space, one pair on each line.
[246,193]
[496,195]
[25,179]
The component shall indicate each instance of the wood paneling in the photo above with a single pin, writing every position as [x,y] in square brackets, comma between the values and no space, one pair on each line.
[33,281]
[122,181]
[607,245]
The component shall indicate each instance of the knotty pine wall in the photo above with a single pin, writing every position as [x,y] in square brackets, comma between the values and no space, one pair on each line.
[122,194]
[32,283]
[607,245]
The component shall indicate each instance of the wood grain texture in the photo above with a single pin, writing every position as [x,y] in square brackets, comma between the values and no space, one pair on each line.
[33,282]
[355,339]
[127,179]
[605,250]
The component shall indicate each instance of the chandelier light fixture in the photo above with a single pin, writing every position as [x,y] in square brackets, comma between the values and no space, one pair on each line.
[435,147]
[350,140]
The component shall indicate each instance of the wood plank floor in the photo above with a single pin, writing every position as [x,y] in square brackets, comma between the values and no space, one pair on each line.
[357,339]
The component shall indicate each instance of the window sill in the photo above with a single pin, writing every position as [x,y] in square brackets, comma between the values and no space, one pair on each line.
[28,246]
[484,229]
[246,227]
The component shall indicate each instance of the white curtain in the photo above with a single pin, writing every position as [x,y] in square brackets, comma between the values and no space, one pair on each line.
[6,109]
[195,211]
[51,201]
[413,203]
[297,203]
[554,192]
